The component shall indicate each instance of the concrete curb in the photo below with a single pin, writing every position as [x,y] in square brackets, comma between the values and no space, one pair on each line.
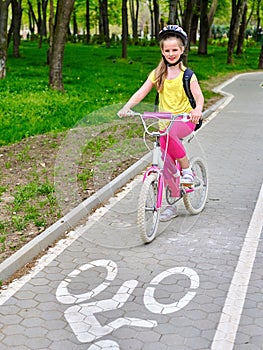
[33,248]
[30,250]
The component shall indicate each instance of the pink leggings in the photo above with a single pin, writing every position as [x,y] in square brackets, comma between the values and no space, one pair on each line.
[175,148]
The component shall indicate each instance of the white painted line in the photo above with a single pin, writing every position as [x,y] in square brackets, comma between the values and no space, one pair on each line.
[228,325]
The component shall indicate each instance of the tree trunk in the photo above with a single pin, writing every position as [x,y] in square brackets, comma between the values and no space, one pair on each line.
[258,13]
[75,24]
[134,11]
[242,31]
[194,27]
[211,13]
[237,10]
[124,28]
[32,18]
[156,10]
[39,23]
[187,19]
[4,4]
[104,21]
[260,61]
[172,11]
[151,18]
[87,22]
[16,22]
[44,20]
[63,12]
[51,30]
[206,21]
[204,28]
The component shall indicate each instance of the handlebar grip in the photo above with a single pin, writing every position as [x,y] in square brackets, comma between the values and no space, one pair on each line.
[158,115]
[184,117]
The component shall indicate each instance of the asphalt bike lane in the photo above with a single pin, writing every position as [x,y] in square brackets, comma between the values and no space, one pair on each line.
[198,285]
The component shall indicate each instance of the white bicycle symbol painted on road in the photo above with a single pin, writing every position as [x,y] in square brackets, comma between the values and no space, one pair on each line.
[81,316]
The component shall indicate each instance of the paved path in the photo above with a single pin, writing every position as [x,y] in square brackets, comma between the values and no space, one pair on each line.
[198,285]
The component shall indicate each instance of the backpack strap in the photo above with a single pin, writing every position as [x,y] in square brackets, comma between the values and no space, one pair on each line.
[186,82]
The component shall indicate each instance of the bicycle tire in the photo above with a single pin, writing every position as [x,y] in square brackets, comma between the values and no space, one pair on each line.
[148,214]
[195,201]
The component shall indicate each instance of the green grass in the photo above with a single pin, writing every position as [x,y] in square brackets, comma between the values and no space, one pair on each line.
[94,77]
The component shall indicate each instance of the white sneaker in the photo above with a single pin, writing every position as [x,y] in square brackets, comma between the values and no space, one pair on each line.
[187,179]
[169,213]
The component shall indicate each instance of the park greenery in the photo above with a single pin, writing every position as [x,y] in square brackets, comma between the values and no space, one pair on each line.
[105,21]
[35,120]
[94,77]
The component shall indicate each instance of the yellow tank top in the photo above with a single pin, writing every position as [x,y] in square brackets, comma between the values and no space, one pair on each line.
[173,97]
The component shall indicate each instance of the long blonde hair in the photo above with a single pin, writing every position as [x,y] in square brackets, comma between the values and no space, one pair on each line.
[161,69]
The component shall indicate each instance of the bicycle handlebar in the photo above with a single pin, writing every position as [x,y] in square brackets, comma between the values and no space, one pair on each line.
[184,117]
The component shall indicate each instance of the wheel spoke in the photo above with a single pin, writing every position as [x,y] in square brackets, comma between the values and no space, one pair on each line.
[148,214]
[195,201]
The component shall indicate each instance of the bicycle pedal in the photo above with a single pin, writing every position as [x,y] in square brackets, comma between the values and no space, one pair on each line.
[188,185]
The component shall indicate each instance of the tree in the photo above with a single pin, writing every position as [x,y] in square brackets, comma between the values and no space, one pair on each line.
[206,21]
[15,26]
[31,18]
[151,16]
[4,4]
[134,11]
[63,13]
[242,30]
[75,24]
[237,10]
[156,11]
[87,21]
[42,19]
[258,13]
[51,30]
[154,17]
[194,24]
[173,12]
[260,61]
[124,28]
[104,21]
[186,23]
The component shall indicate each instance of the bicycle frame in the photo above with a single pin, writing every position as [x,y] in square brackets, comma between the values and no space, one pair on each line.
[165,177]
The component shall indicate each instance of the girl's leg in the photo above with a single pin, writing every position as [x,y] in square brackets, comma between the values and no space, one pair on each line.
[184,162]
[175,148]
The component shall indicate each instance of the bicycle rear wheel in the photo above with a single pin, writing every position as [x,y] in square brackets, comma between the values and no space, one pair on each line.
[148,213]
[195,201]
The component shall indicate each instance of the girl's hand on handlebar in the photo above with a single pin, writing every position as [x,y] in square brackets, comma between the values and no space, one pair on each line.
[124,112]
[195,115]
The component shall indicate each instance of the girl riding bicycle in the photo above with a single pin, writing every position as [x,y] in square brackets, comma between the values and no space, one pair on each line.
[167,78]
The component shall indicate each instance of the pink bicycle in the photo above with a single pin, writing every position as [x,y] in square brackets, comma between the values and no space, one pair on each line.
[159,177]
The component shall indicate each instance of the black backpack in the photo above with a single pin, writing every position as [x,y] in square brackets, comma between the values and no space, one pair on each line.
[186,83]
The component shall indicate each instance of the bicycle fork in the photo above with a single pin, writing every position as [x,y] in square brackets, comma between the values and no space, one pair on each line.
[160,184]
[156,168]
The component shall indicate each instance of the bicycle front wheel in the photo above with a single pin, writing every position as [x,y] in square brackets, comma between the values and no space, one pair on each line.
[195,201]
[148,213]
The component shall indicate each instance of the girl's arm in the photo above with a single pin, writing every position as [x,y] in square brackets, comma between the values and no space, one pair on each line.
[196,113]
[137,97]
